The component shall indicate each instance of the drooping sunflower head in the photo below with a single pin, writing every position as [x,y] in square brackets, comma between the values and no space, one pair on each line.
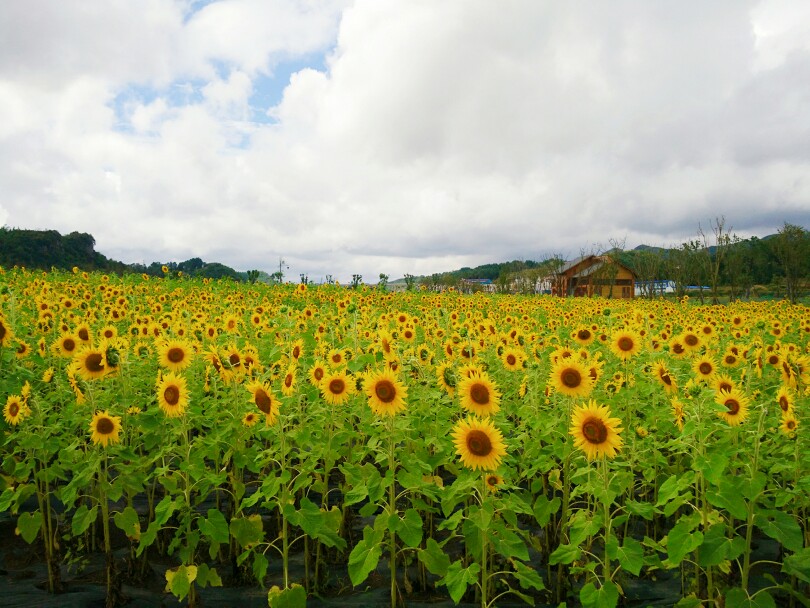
[595,432]
[386,393]
[665,377]
[736,404]
[105,428]
[570,377]
[263,398]
[785,399]
[479,394]
[479,444]
[172,395]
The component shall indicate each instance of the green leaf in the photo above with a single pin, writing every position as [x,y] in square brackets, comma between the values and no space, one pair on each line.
[247,530]
[544,508]
[207,577]
[728,496]
[294,596]
[607,596]
[681,541]
[738,598]
[564,554]
[798,565]
[780,526]
[260,564]
[410,528]
[507,543]
[630,555]
[690,601]
[366,555]
[178,581]
[642,509]
[29,525]
[672,487]
[457,579]
[528,577]
[715,547]
[435,560]
[128,522]
[83,518]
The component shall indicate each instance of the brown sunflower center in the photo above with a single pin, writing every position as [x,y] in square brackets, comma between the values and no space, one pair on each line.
[385,391]
[677,348]
[511,359]
[584,334]
[234,359]
[84,335]
[478,443]
[318,373]
[171,394]
[666,379]
[337,386]
[69,344]
[791,425]
[784,404]
[13,409]
[732,405]
[104,426]
[705,368]
[625,343]
[725,386]
[773,359]
[337,358]
[176,354]
[296,352]
[691,340]
[594,430]
[2,330]
[571,377]
[288,380]
[731,359]
[93,362]
[263,401]
[479,393]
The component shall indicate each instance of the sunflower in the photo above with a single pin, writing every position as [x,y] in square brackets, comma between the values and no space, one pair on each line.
[288,382]
[336,357]
[789,424]
[386,394]
[297,349]
[264,399]
[493,481]
[736,404]
[583,335]
[14,411]
[105,428]
[174,355]
[479,394]
[570,377]
[479,443]
[678,412]
[730,359]
[23,350]
[512,359]
[317,372]
[90,363]
[665,377]
[625,344]
[66,345]
[594,431]
[250,419]
[447,379]
[691,340]
[785,399]
[704,367]
[723,382]
[172,395]
[47,375]
[337,387]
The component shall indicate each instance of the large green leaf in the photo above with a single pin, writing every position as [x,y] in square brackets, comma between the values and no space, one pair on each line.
[436,561]
[780,526]
[247,530]
[294,596]
[606,596]
[458,579]
[564,554]
[366,555]
[409,529]
[630,554]
[29,525]
[128,522]
[82,519]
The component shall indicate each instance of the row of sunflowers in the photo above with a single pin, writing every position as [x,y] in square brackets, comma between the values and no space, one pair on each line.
[481,447]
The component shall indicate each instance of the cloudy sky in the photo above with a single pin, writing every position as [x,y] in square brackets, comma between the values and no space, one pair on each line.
[392,136]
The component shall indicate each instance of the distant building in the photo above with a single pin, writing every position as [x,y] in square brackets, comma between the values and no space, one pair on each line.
[593,275]
[477,285]
[648,289]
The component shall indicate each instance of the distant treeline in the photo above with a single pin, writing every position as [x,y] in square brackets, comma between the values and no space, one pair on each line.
[46,249]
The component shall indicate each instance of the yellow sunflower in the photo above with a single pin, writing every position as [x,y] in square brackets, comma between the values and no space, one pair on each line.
[289,381]
[736,404]
[665,377]
[570,377]
[512,359]
[625,344]
[317,372]
[264,399]
[785,399]
[105,428]
[479,394]
[595,432]
[478,443]
[174,355]
[493,481]
[66,345]
[89,363]
[386,394]
[337,387]
[172,395]
[789,424]
[250,419]
[723,382]
[583,335]
[704,367]
[14,411]
[446,377]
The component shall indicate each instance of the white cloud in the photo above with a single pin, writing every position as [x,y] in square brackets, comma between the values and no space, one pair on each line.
[439,134]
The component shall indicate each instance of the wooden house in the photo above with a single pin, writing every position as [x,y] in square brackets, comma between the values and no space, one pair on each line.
[594,275]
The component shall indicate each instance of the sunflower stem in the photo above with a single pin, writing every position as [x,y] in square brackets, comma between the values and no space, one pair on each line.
[751,504]
[392,512]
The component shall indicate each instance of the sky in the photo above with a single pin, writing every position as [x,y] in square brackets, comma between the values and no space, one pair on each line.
[389,136]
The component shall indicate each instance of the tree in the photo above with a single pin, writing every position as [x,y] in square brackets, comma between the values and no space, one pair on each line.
[357,279]
[791,246]
[410,281]
[252,276]
[382,285]
[712,260]
[647,265]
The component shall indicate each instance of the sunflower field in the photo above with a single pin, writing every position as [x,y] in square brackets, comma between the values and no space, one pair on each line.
[315,442]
